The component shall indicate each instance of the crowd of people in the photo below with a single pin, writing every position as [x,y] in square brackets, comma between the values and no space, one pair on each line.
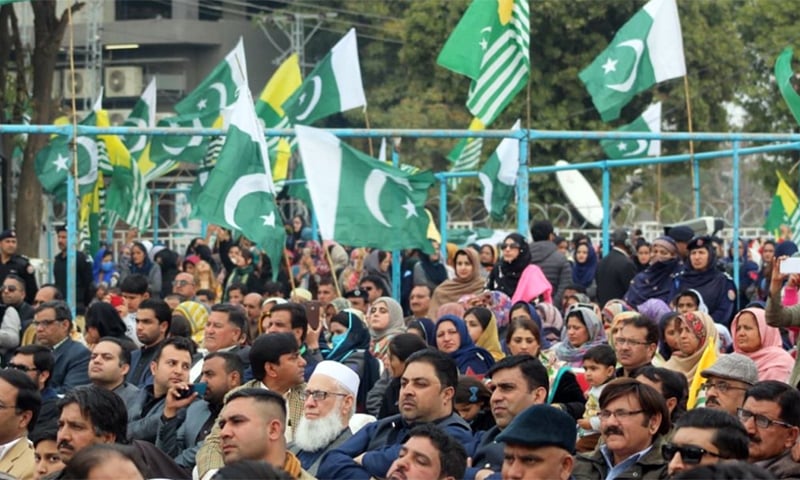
[523,360]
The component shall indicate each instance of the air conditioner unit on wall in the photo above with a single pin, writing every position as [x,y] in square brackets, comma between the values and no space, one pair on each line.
[117,117]
[81,83]
[123,82]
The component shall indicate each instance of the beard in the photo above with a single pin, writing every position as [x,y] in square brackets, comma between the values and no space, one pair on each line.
[313,435]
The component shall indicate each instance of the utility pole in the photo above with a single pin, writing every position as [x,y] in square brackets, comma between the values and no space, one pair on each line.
[94,52]
[293,26]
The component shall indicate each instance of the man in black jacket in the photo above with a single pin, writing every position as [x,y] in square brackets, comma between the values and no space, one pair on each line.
[546,256]
[616,270]
[83,272]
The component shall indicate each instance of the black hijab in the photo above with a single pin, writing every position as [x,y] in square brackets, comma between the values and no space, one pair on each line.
[505,276]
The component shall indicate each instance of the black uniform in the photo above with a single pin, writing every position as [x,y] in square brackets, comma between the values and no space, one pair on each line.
[20,266]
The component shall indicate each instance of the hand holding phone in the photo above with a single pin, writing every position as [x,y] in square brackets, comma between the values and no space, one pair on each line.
[790,265]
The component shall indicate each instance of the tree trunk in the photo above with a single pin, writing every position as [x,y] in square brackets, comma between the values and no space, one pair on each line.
[48,33]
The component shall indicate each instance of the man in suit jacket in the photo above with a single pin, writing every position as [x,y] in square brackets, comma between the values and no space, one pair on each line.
[616,270]
[53,324]
[19,405]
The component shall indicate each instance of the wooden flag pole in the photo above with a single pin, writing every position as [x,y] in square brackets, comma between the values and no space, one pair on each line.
[333,270]
[366,122]
[289,269]
[695,191]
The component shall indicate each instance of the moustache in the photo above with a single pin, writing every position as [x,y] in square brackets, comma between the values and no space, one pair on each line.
[65,444]
[612,431]
[712,401]
[754,438]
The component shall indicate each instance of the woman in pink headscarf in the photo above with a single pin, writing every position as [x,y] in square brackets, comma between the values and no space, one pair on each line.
[762,343]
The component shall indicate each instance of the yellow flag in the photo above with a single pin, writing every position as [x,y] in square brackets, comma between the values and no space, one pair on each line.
[709,357]
[282,85]
[787,195]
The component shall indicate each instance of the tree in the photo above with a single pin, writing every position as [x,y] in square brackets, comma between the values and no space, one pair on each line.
[49,31]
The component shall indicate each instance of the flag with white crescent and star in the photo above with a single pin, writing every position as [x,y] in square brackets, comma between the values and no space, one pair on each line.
[239,193]
[649,121]
[167,149]
[647,50]
[219,89]
[361,201]
[333,86]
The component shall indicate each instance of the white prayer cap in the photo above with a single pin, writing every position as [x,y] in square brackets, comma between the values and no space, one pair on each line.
[339,372]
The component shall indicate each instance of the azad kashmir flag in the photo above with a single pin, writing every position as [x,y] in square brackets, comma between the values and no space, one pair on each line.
[127,196]
[647,50]
[499,176]
[361,201]
[239,193]
[491,45]
[648,121]
[783,210]
[170,149]
[333,86]
[280,87]
[219,89]
[466,155]
[143,115]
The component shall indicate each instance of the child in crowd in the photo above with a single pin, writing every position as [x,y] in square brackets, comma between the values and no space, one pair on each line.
[472,403]
[599,362]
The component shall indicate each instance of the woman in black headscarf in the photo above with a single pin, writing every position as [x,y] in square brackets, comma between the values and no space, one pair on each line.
[656,280]
[516,257]
[716,288]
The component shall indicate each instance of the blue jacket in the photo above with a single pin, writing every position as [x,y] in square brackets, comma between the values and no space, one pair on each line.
[145,427]
[485,453]
[71,367]
[381,442]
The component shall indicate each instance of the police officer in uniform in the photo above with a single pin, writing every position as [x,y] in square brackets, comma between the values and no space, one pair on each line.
[19,265]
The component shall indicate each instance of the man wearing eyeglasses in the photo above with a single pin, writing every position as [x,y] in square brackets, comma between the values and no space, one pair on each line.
[771,416]
[636,343]
[13,289]
[633,421]
[10,262]
[704,437]
[330,404]
[53,324]
[19,406]
[184,286]
[36,361]
[727,380]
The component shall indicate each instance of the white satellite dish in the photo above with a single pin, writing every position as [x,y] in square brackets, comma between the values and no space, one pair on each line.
[580,194]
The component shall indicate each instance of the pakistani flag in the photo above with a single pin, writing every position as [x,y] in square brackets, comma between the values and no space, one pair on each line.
[333,86]
[491,45]
[649,121]
[54,162]
[499,175]
[183,148]
[282,85]
[239,193]
[218,89]
[645,51]
[783,76]
[143,115]
[361,201]
[466,155]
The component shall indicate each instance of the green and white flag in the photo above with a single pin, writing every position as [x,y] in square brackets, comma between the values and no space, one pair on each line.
[143,115]
[491,45]
[648,121]
[182,148]
[361,201]
[499,176]
[783,77]
[219,89]
[333,86]
[54,162]
[239,193]
[466,155]
[647,50]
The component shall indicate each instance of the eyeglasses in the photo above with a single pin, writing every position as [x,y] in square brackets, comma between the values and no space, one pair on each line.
[620,414]
[9,288]
[368,289]
[690,454]
[321,395]
[762,421]
[723,387]
[36,303]
[3,407]
[17,366]
[619,341]
[510,245]
[44,323]
[181,283]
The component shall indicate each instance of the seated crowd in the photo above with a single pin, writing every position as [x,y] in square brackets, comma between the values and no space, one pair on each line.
[523,360]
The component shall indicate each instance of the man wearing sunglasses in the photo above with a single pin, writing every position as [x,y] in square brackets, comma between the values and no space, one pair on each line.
[704,437]
[771,416]
[13,294]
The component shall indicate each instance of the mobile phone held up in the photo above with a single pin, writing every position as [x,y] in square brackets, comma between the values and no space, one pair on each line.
[200,388]
[790,265]
[312,314]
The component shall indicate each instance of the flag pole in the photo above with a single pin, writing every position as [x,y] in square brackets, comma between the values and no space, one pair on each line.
[333,270]
[289,269]
[369,139]
[695,184]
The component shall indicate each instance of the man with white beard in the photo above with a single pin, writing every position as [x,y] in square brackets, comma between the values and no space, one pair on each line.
[330,403]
